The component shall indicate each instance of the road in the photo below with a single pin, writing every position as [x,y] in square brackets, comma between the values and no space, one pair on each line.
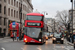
[10,45]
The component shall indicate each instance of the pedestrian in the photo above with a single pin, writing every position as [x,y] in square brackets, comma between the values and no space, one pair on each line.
[14,35]
[3,34]
[22,35]
[17,37]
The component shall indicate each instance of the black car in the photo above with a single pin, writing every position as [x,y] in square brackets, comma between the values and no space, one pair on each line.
[57,38]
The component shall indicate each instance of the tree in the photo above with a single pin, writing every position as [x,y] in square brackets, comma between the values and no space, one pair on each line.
[63,17]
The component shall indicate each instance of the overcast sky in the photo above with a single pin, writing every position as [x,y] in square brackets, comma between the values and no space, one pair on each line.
[51,6]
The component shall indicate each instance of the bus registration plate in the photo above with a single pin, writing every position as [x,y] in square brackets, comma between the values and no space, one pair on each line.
[32,41]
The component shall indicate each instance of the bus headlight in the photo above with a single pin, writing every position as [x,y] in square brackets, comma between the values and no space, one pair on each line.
[39,39]
[54,38]
[62,38]
[25,39]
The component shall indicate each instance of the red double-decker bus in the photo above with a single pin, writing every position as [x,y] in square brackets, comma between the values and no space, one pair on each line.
[35,28]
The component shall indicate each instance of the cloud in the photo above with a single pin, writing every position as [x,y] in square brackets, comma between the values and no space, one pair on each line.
[51,6]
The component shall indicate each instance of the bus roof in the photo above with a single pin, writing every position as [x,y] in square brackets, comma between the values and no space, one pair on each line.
[35,14]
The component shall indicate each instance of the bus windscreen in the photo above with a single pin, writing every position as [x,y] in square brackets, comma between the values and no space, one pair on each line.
[38,18]
[32,32]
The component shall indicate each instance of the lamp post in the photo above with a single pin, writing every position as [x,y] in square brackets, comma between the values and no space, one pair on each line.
[72,16]
[20,12]
[54,25]
[45,13]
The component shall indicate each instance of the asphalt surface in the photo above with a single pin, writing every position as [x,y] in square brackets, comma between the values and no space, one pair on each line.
[20,45]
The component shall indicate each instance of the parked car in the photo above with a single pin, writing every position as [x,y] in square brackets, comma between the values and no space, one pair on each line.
[57,38]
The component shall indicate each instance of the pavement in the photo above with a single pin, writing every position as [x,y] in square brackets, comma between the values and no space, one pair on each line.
[20,45]
[7,39]
[67,42]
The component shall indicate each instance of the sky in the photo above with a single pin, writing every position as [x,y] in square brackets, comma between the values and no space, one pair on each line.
[51,6]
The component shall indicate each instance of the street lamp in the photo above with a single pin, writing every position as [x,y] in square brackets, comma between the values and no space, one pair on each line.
[20,12]
[72,16]
[45,13]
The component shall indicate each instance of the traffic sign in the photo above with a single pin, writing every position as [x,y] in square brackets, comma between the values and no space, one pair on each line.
[14,24]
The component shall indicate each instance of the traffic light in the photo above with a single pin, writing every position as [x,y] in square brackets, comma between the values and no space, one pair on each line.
[71,0]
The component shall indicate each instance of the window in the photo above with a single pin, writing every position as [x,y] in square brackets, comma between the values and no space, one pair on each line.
[4,9]
[4,31]
[0,20]
[0,30]
[4,0]
[8,11]
[39,18]
[17,3]
[23,7]
[4,21]
[14,2]
[11,12]
[0,8]
[57,35]
[17,14]
[74,3]
[14,13]
[9,1]
[23,16]
[32,32]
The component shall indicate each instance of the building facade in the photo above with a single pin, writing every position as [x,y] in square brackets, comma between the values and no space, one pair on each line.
[10,11]
[52,25]
[70,20]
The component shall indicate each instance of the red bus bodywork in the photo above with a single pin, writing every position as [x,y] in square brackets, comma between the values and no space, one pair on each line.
[16,29]
[34,14]
[31,21]
[27,38]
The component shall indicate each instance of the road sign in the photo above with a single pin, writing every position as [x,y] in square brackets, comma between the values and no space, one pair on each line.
[14,24]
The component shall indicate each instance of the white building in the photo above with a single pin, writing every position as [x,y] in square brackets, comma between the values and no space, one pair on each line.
[9,12]
[52,25]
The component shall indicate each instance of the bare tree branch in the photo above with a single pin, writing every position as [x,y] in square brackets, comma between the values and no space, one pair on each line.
[59,15]
[62,17]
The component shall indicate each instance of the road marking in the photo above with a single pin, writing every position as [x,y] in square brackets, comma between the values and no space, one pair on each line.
[39,48]
[3,48]
[1,38]
[22,48]
[65,47]
[54,49]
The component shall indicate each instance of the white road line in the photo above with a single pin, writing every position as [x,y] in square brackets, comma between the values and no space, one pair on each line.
[67,49]
[54,49]
[22,48]
[3,48]
[39,49]
[5,41]
[1,39]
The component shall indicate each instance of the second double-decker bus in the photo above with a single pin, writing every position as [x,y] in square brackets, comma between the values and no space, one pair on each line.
[35,28]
